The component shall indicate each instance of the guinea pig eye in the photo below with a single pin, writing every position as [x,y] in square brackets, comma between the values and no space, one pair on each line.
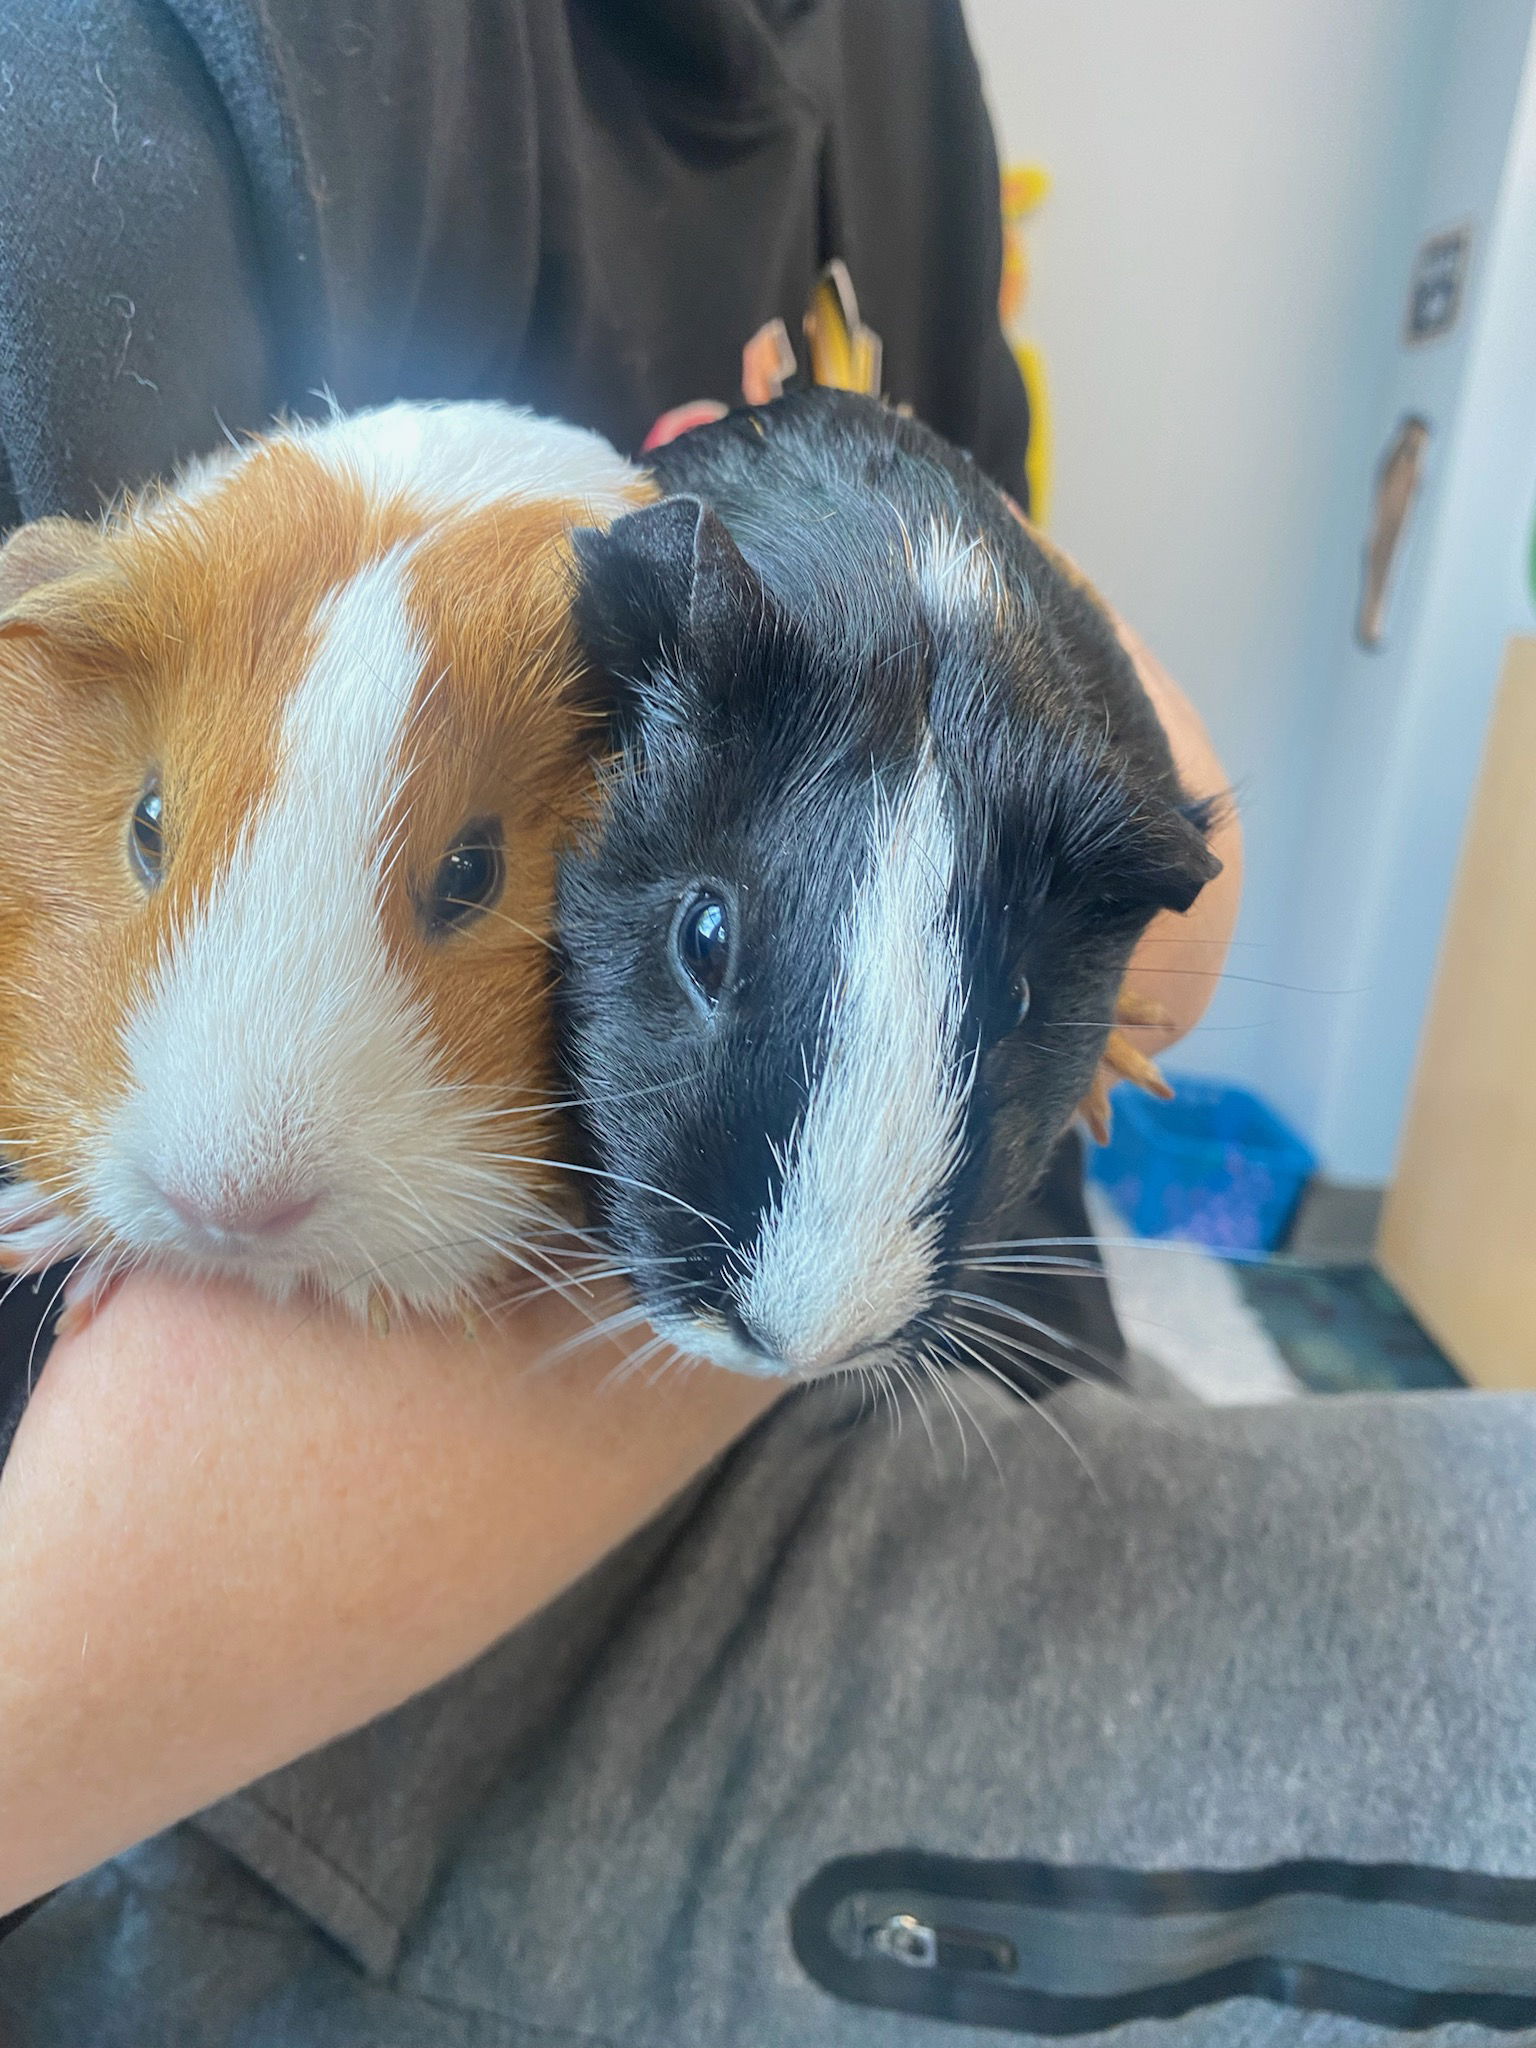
[1021,990]
[701,945]
[469,877]
[146,835]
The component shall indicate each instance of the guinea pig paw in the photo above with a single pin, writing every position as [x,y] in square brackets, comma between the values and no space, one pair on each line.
[86,1291]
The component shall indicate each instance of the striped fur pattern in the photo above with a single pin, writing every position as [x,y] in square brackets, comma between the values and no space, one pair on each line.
[868,730]
[327,654]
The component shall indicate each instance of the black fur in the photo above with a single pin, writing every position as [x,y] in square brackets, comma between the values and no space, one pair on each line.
[764,658]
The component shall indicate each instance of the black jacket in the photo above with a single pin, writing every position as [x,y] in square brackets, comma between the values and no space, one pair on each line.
[210,209]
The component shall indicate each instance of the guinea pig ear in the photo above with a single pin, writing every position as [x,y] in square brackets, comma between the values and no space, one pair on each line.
[654,584]
[34,560]
[1169,861]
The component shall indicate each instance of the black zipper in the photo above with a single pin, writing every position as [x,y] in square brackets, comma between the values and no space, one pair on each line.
[1051,1949]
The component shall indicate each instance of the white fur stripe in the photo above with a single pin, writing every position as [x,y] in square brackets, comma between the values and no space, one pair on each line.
[279,1052]
[249,1042]
[847,1256]
[446,458]
[959,580]
[461,457]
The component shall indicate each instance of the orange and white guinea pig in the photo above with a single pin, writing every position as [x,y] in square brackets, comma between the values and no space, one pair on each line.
[287,748]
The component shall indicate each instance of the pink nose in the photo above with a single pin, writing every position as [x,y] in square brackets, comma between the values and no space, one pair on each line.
[241,1215]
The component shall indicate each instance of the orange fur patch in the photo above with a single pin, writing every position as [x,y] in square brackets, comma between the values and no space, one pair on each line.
[174,650]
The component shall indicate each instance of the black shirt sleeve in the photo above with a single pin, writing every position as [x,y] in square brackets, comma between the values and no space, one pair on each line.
[27,1316]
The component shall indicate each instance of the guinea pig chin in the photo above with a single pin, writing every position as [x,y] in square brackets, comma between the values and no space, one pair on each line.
[298,1171]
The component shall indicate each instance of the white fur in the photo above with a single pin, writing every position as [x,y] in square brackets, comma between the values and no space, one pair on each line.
[449,458]
[278,1053]
[958,579]
[847,1256]
[462,457]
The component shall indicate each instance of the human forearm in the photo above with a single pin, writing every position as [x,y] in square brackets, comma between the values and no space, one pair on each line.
[1181,957]
[228,1534]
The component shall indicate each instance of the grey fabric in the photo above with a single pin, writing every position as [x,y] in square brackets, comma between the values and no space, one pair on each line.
[1190,1636]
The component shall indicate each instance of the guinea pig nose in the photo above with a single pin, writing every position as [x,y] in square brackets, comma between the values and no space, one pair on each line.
[242,1215]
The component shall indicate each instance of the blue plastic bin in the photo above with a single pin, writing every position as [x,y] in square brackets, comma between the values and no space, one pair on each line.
[1214,1166]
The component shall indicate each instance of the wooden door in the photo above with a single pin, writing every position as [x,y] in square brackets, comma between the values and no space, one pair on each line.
[1458,1235]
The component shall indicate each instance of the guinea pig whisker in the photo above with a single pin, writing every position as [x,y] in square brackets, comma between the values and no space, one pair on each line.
[711,1223]
[1229,1255]
[898,1373]
[880,1385]
[1042,1329]
[1039,1407]
[622,1094]
[957,1382]
[1007,1244]
[890,1378]
[898,1382]
[627,1368]
[527,930]
[548,1283]
[561,1264]
[1293,988]
[668,1359]
[503,1206]
[960,1409]
[42,1322]
[871,1383]
[920,1379]
[1068,1248]
[601,1328]
[1047,1266]
[566,1263]
[942,1381]
[1023,1352]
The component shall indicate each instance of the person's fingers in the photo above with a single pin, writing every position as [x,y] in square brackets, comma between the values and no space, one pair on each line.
[767,361]
[767,364]
[699,413]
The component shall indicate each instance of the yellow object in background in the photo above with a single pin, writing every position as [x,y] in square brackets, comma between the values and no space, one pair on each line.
[1025,187]
[845,354]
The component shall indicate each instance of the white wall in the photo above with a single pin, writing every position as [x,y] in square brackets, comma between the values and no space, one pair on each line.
[1218,281]
[1399,754]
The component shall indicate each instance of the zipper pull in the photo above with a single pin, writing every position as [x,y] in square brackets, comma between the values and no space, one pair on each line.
[903,1938]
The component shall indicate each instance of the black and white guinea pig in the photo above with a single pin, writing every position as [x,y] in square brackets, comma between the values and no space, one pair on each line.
[888,813]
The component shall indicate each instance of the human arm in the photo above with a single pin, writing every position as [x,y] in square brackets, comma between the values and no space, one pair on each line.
[229,1533]
[1181,956]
